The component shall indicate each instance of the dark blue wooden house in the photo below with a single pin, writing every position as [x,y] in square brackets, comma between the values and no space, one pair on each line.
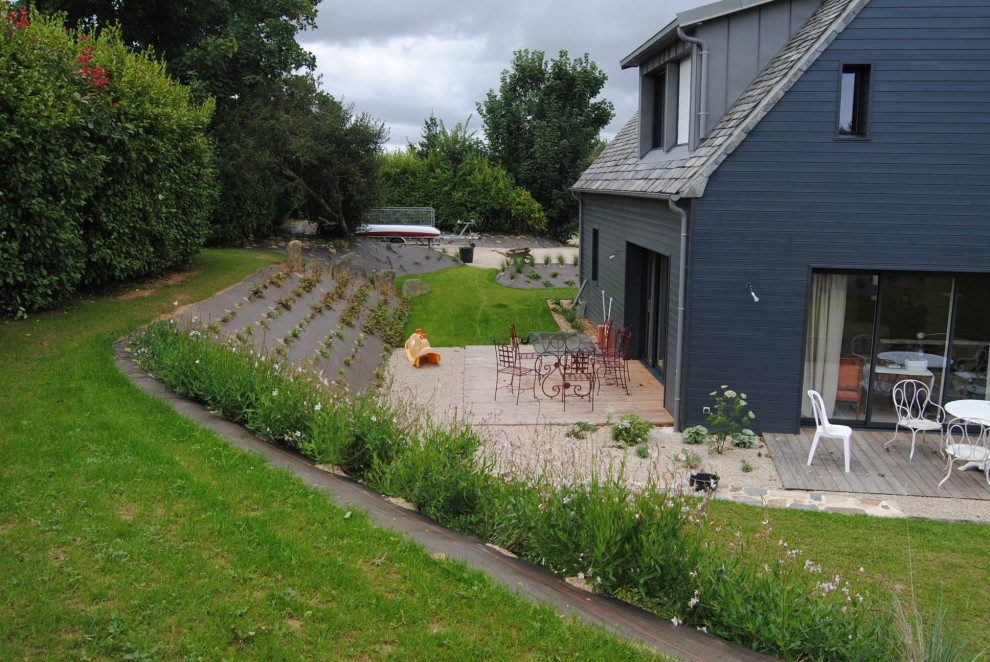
[802,201]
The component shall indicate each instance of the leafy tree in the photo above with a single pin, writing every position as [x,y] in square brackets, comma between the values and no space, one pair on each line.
[106,170]
[316,154]
[449,171]
[542,126]
[220,48]
[282,144]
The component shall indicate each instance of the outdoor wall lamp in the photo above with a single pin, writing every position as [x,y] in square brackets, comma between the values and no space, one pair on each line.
[749,288]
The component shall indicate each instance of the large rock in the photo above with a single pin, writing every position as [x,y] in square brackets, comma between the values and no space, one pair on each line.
[414,287]
[293,255]
[384,281]
[350,263]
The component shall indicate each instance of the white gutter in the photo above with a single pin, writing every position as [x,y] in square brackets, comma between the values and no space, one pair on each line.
[703,99]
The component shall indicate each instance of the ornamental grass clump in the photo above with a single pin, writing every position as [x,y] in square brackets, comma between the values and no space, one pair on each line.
[639,545]
[727,417]
[442,476]
[769,598]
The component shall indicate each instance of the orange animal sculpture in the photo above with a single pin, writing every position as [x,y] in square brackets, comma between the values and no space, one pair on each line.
[418,348]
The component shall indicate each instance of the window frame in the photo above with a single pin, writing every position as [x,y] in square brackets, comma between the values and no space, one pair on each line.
[860,103]
[660,104]
[594,254]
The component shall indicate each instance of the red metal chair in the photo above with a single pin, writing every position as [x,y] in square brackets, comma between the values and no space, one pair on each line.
[613,362]
[521,355]
[576,369]
[507,363]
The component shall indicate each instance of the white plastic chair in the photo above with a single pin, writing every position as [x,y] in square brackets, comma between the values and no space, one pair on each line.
[962,446]
[826,429]
[912,401]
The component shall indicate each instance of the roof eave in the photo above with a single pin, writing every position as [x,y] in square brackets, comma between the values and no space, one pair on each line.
[655,43]
[686,19]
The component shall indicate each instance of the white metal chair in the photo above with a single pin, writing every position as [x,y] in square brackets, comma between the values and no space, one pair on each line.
[862,346]
[826,429]
[912,401]
[963,446]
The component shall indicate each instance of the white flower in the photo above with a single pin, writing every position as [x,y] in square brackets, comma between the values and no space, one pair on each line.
[275,393]
[175,303]
[730,394]
[676,621]
[318,406]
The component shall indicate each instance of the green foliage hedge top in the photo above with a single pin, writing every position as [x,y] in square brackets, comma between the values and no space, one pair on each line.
[106,171]
[449,171]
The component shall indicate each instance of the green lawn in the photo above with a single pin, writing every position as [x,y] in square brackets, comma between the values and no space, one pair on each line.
[128,532]
[465,306]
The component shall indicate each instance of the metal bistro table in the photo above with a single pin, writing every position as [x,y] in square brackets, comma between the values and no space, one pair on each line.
[550,348]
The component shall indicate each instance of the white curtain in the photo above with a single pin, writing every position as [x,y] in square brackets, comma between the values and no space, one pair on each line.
[826,318]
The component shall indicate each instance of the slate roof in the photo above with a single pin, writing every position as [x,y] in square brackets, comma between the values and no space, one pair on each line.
[619,170]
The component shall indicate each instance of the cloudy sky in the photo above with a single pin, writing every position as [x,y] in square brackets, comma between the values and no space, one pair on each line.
[399,60]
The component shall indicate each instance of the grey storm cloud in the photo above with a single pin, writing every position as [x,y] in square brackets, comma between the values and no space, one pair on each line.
[400,61]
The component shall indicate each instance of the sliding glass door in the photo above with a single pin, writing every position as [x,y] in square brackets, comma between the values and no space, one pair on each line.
[867,331]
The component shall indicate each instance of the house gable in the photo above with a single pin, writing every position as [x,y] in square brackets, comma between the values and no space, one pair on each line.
[624,168]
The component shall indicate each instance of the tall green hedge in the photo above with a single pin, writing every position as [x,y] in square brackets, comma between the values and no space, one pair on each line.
[473,188]
[106,170]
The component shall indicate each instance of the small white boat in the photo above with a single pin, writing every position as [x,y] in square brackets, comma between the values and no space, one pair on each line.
[397,232]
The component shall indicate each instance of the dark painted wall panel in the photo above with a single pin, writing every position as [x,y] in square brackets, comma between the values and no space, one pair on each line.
[793,197]
[625,223]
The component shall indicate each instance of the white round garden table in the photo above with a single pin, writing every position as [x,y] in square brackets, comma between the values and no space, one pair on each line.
[971,411]
[976,412]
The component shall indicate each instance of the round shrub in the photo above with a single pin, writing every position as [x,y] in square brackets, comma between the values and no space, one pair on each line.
[631,430]
[106,173]
[696,434]
[745,438]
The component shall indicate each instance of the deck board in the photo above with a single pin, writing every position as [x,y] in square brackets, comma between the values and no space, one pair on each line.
[874,469]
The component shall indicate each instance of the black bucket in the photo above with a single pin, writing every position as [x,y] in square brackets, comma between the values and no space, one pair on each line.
[704,481]
[467,254]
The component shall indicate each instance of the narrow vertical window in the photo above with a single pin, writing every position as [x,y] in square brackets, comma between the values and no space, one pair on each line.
[594,255]
[656,129]
[854,98]
[683,101]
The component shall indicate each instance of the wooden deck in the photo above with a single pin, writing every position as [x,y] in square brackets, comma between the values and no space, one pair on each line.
[645,397]
[874,470]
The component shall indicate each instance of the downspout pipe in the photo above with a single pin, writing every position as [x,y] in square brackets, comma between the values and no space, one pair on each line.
[703,99]
[681,290]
